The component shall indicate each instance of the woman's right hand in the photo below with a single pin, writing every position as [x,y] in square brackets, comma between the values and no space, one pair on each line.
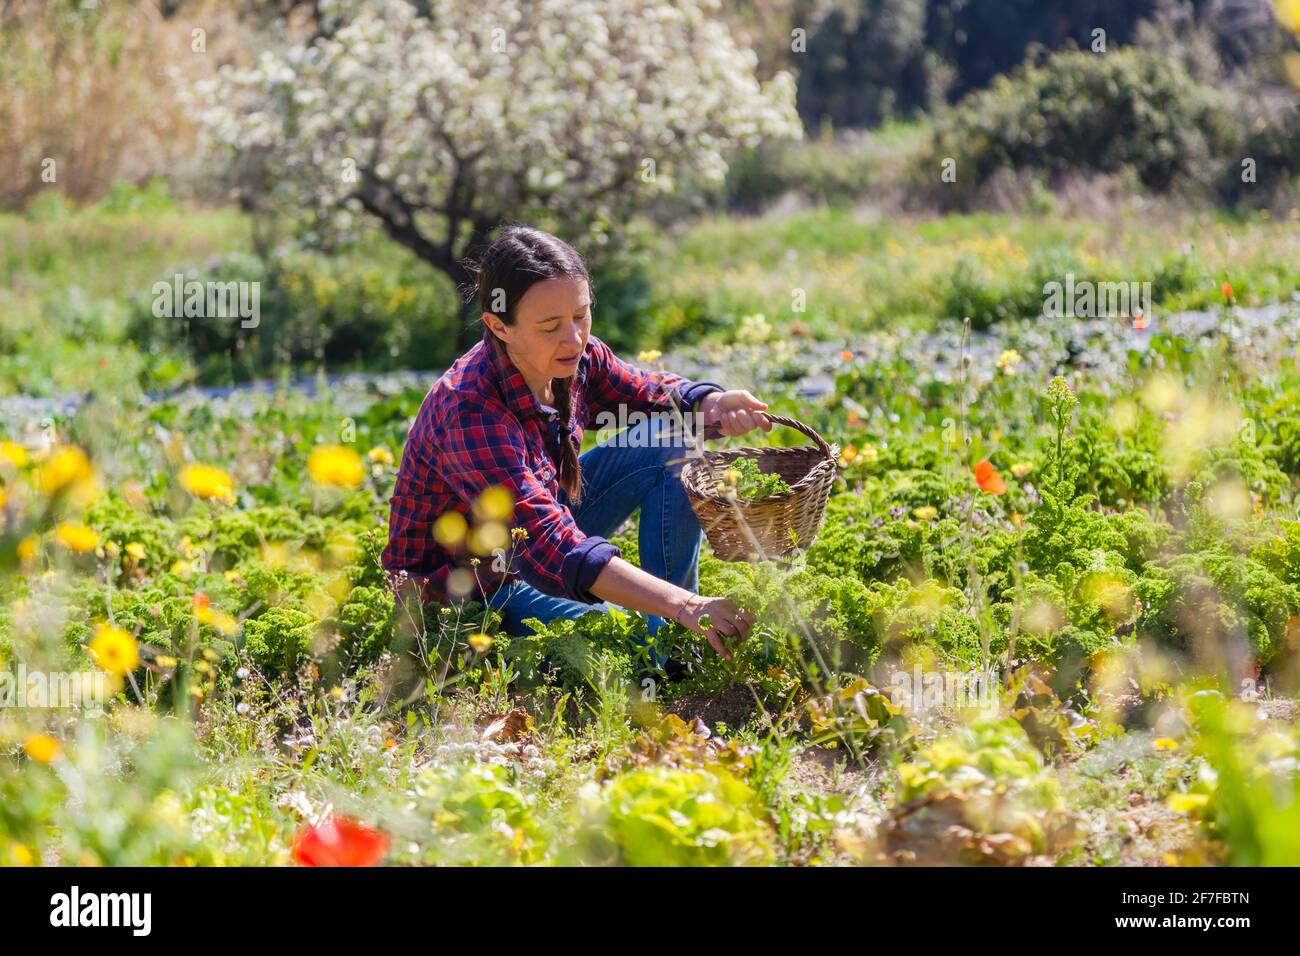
[725,619]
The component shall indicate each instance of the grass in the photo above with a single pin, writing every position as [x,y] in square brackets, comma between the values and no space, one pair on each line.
[857,270]
[67,280]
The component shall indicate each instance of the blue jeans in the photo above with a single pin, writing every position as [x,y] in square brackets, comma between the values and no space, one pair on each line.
[641,467]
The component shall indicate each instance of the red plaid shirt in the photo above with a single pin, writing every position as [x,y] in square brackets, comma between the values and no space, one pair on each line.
[481,426]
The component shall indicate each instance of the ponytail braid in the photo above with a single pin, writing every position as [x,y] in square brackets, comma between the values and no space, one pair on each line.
[570,468]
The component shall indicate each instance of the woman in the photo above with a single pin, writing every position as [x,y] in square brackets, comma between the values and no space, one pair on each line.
[511,412]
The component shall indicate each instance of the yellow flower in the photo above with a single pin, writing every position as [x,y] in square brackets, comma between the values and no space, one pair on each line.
[115,650]
[848,454]
[480,642]
[494,504]
[4,496]
[1288,14]
[19,855]
[449,529]
[136,550]
[42,748]
[335,465]
[1008,361]
[67,466]
[926,512]
[204,481]
[14,453]
[380,455]
[1165,743]
[1022,468]
[27,549]
[650,356]
[182,569]
[1291,65]
[1186,802]
[76,537]
[216,618]
[488,537]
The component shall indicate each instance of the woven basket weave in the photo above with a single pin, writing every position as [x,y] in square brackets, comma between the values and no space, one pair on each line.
[743,530]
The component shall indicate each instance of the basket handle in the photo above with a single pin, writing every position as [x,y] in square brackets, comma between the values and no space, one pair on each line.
[714,431]
[801,427]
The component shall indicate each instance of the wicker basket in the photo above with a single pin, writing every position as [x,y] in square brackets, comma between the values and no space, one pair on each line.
[744,530]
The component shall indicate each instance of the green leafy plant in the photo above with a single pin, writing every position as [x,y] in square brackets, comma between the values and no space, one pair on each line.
[748,482]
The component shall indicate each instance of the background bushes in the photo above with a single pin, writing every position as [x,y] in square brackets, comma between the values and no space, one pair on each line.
[1078,111]
[377,310]
[312,309]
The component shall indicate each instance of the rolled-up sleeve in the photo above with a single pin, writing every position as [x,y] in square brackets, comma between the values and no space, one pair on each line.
[611,382]
[477,452]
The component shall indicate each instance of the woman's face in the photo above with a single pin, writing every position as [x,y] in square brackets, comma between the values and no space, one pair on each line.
[552,322]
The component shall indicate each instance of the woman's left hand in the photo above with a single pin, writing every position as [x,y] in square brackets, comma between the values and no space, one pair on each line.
[735,412]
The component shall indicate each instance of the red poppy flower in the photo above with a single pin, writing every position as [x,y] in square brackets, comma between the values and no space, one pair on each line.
[988,479]
[339,841]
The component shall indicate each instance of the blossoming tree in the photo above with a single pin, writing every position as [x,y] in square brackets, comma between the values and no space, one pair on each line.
[444,120]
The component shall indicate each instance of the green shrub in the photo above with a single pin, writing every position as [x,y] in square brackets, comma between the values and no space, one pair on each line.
[661,816]
[311,308]
[280,638]
[366,622]
[828,170]
[1080,112]
[479,816]
[125,197]
[1217,597]
[984,781]
[1271,138]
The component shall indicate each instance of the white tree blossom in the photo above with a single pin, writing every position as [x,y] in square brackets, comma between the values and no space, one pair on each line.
[565,112]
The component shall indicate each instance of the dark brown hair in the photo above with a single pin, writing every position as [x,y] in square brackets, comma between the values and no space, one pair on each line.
[521,257]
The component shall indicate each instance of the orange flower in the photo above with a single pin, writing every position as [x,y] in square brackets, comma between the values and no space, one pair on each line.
[988,479]
[846,356]
[1227,291]
[1139,323]
[42,748]
[340,842]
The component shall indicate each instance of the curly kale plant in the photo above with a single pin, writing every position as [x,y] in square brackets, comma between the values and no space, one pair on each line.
[750,483]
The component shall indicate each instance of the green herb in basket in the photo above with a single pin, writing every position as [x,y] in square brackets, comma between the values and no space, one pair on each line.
[746,481]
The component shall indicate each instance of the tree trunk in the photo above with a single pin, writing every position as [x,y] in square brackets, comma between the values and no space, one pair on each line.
[469,327]
[398,220]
